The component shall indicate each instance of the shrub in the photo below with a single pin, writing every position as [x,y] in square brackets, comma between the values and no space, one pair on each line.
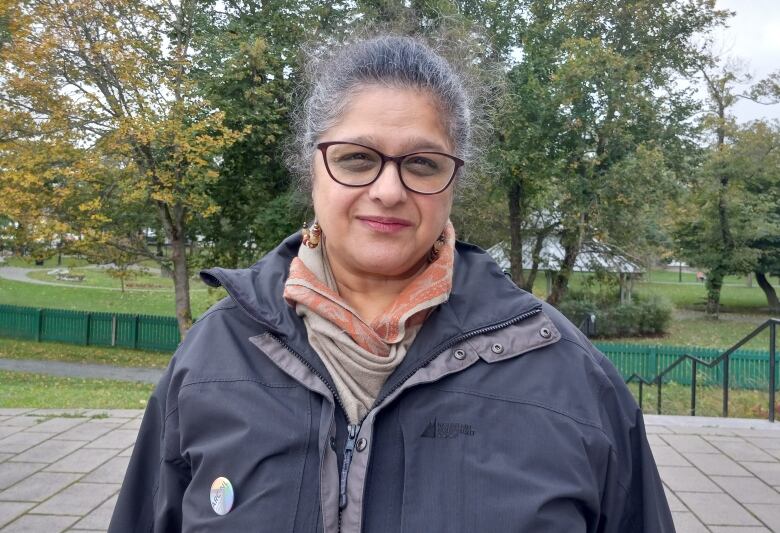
[644,316]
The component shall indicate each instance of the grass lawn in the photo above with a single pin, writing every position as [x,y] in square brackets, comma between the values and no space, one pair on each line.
[733,299]
[22,389]
[672,276]
[676,400]
[736,296]
[100,278]
[687,329]
[28,262]
[73,353]
[81,299]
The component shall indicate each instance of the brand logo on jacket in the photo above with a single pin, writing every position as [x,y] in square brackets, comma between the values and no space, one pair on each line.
[446,430]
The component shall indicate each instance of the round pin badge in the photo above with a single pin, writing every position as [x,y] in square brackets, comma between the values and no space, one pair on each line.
[221,496]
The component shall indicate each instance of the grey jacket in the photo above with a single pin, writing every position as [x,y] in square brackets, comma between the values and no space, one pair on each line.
[501,418]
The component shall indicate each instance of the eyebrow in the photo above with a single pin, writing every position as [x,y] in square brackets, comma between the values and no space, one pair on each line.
[411,144]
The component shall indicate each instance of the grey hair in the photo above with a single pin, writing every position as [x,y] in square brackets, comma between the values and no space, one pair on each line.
[388,61]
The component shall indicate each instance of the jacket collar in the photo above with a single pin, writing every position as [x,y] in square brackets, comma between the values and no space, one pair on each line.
[482,297]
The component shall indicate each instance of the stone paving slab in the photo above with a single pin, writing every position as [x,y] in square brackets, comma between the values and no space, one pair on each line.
[61,469]
[769,514]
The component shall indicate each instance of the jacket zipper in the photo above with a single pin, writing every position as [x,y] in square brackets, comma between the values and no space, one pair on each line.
[352,432]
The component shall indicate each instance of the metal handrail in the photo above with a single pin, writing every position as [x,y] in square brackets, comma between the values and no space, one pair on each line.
[771,323]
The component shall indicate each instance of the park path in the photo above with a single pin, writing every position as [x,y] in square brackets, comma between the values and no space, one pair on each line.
[82,370]
[20,274]
[61,469]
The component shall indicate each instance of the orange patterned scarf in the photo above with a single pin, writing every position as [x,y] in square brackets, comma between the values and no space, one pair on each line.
[360,356]
[430,288]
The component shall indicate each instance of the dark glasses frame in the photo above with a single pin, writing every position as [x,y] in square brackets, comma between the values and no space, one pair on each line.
[397,159]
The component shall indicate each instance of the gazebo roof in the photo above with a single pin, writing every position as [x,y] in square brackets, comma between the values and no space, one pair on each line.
[594,255]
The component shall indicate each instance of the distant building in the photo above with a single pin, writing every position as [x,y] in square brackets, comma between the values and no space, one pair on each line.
[593,256]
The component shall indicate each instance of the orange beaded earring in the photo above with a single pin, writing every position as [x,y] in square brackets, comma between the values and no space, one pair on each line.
[433,255]
[311,237]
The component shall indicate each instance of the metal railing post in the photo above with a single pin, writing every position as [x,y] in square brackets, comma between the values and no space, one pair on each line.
[641,383]
[693,386]
[772,371]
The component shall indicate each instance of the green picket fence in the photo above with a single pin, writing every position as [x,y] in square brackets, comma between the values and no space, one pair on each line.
[748,369]
[143,332]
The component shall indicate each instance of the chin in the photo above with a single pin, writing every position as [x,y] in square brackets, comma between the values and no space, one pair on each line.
[388,264]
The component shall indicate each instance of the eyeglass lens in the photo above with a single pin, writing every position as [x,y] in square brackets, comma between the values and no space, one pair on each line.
[356,165]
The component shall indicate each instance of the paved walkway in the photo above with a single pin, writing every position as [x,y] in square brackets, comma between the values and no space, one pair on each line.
[60,470]
[20,274]
[82,370]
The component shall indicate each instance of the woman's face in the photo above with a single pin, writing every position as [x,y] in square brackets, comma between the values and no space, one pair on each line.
[383,229]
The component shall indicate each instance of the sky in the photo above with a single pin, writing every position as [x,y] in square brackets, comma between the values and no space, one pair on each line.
[753,37]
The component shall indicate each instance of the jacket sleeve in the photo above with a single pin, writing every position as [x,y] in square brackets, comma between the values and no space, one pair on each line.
[633,498]
[156,478]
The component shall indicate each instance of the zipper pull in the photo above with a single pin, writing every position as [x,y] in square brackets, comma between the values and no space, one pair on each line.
[352,431]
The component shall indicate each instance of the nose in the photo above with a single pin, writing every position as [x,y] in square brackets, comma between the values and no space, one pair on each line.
[388,188]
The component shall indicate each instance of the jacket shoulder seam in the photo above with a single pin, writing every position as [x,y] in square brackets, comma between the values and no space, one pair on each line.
[226,307]
[168,415]
[577,343]
[613,452]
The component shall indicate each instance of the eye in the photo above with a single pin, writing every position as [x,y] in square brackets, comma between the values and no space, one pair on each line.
[353,159]
[421,165]
[355,156]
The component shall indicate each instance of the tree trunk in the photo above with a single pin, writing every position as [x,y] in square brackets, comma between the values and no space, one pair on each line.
[714,285]
[571,248]
[514,198]
[181,283]
[172,217]
[769,291]
[535,260]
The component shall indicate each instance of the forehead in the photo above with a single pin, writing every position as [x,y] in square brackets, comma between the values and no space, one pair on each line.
[393,120]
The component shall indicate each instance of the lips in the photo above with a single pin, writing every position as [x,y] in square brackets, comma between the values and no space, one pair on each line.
[385,224]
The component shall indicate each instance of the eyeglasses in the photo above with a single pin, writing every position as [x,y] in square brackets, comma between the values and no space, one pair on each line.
[355,165]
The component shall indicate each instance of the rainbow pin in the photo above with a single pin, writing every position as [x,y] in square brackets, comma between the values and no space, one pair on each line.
[221,496]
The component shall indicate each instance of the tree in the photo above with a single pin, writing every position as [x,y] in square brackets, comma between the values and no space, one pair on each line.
[595,94]
[758,160]
[248,66]
[734,207]
[112,81]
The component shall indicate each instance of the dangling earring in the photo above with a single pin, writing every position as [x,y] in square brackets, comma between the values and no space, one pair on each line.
[433,255]
[311,237]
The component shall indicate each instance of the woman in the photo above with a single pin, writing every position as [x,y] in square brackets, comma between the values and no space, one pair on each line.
[374,375]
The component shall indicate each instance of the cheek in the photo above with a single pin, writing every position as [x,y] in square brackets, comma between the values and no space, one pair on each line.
[320,194]
[440,208]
